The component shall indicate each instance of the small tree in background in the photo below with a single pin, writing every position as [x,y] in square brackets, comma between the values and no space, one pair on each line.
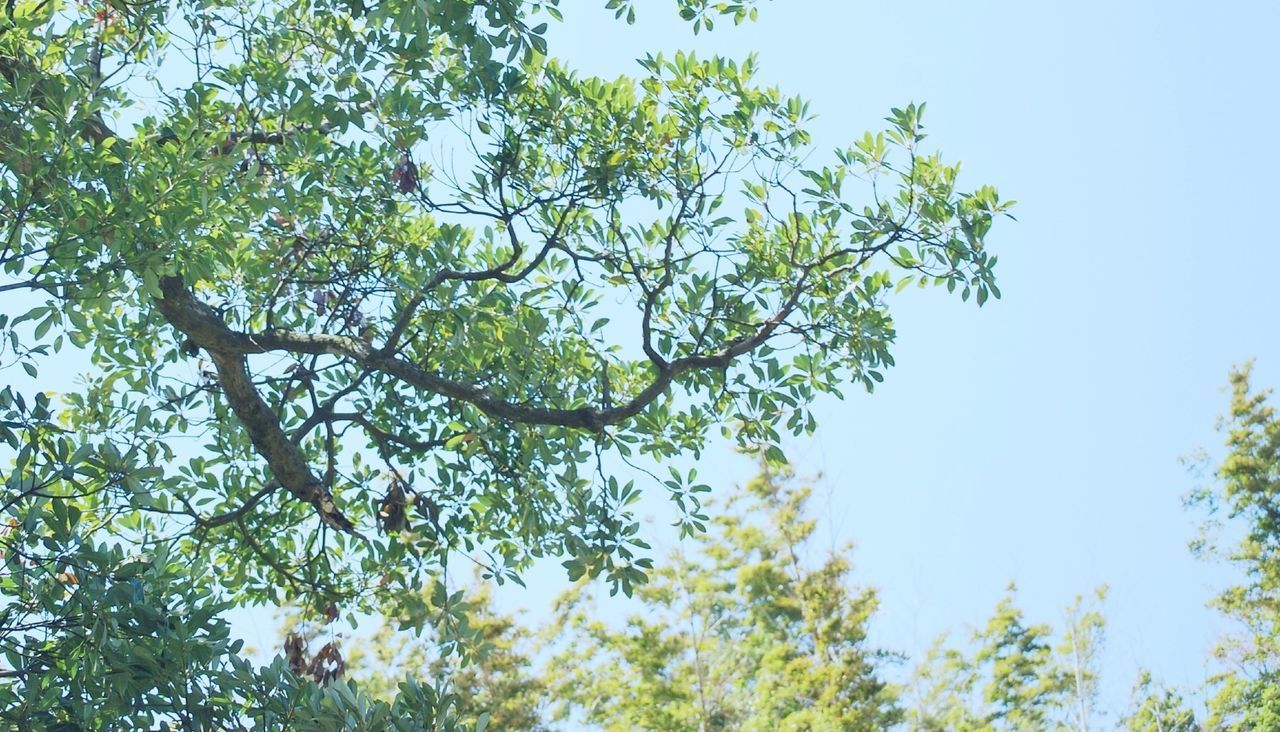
[1246,494]
[491,675]
[742,629]
[1013,677]
[1157,708]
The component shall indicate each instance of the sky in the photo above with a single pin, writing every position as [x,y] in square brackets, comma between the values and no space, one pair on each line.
[1037,440]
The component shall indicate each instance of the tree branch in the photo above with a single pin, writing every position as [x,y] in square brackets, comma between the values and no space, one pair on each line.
[287,461]
[200,323]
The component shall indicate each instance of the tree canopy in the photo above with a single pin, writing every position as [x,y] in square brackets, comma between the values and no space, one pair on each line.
[362,288]
[263,260]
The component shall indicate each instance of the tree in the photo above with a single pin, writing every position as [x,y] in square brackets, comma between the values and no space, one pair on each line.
[1083,637]
[740,632]
[1013,677]
[324,366]
[95,638]
[1247,492]
[1156,708]
[493,676]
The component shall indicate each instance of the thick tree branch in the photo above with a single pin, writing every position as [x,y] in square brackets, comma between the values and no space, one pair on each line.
[287,461]
[200,323]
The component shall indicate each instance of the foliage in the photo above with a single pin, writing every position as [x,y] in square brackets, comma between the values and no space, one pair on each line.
[739,632]
[324,363]
[310,332]
[1014,677]
[1156,708]
[493,676]
[1247,492]
[96,638]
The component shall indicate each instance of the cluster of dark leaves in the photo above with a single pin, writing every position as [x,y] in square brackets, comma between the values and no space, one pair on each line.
[325,666]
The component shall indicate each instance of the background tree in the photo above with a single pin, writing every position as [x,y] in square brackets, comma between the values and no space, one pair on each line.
[1246,493]
[493,675]
[743,631]
[1012,676]
[1157,708]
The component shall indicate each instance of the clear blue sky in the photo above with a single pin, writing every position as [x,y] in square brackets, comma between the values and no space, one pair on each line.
[1038,440]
